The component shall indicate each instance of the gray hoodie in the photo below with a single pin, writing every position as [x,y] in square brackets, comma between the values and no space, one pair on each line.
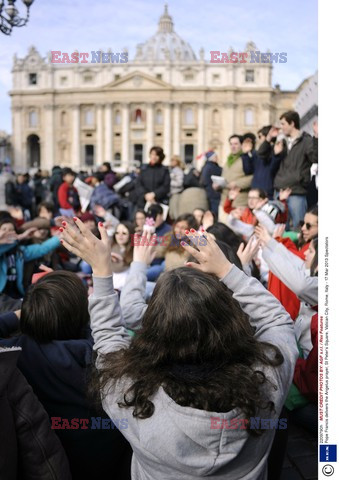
[178,442]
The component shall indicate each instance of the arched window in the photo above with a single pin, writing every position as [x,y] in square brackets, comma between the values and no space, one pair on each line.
[33,119]
[89,117]
[138,116]
[63,119]
[249,116]
[158,117]
[215,117]
[117,159]
[117,117]
[189,116]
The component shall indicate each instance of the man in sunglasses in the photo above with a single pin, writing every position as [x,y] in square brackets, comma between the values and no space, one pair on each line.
[294,170]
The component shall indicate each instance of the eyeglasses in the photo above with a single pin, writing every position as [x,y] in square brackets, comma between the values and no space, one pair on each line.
[307,225]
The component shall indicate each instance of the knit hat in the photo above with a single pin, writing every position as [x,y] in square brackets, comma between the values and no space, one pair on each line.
[87,216]
[210,155]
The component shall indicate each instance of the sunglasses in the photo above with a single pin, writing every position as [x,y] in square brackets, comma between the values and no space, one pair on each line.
[307,225]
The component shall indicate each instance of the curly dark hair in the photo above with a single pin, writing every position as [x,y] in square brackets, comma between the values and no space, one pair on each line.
[197,343]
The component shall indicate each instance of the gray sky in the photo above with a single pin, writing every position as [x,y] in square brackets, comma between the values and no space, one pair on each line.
[85,25]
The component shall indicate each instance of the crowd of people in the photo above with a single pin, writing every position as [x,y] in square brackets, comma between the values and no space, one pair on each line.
[161,324]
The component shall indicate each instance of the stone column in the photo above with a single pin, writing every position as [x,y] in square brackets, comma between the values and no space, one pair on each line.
[76,160]
[108,133]
[201,129]
[176,129]
[229,125]
[20,162]
[100,136]
[167,133]
[149,128]
[125,151]
[48,158]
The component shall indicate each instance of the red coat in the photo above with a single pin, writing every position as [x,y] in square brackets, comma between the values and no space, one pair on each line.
[286,297]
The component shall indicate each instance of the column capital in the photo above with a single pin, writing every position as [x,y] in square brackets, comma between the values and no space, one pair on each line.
[17,108]
[75,106]
[49,107]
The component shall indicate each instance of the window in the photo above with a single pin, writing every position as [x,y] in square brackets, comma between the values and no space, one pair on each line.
[158,117]
[117,117]
[116,77]
[117,159]
[249,76]
[32,79]
[63,119]
[138,116]
[215,117]
[88,78]
[158,134]
[189,134]
[138,152]
[188,155]
[189,77]
[89,155]
[188,116]
[89,117]
[63,80]
[248,116]
[117,134]
[159,76]
[216,78]
[33,119]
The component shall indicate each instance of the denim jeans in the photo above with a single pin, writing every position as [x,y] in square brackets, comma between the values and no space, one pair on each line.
[154,271]
[297,207]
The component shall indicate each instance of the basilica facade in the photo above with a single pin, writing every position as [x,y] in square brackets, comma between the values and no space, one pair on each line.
[83,114]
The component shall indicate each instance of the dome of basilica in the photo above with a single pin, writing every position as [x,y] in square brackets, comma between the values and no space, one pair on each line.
[165,45]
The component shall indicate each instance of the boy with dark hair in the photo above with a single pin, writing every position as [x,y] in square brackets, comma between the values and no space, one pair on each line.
[294,170]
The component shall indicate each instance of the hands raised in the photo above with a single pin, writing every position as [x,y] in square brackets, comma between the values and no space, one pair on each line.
[210,257]
[81,241]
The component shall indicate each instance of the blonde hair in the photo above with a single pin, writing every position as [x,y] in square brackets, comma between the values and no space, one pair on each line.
[178,161]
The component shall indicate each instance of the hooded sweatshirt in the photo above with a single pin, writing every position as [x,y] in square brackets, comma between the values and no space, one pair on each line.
[179,442]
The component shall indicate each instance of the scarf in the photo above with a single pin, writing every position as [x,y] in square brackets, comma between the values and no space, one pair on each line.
[232,158]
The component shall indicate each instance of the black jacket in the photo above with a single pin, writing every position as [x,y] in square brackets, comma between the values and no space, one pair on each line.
[209,169]
[153,178]
[59,372]
[29,449]
[294,170]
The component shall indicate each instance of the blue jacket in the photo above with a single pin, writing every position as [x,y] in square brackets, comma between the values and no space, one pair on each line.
[209,169]
[23,254]
[266,165]
[104,196]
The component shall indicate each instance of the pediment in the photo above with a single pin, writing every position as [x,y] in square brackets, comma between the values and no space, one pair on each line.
[138,80]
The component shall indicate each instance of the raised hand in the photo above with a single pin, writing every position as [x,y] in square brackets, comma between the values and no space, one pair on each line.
[207,219]
[273,133]
[284,194]
[246,254]
[7,238]
[27,234]
[210,257]
[279,230]
[81,241]
[233,193]
[145,252]
[315,128]
[247,145]
[278,147]
[262,234]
